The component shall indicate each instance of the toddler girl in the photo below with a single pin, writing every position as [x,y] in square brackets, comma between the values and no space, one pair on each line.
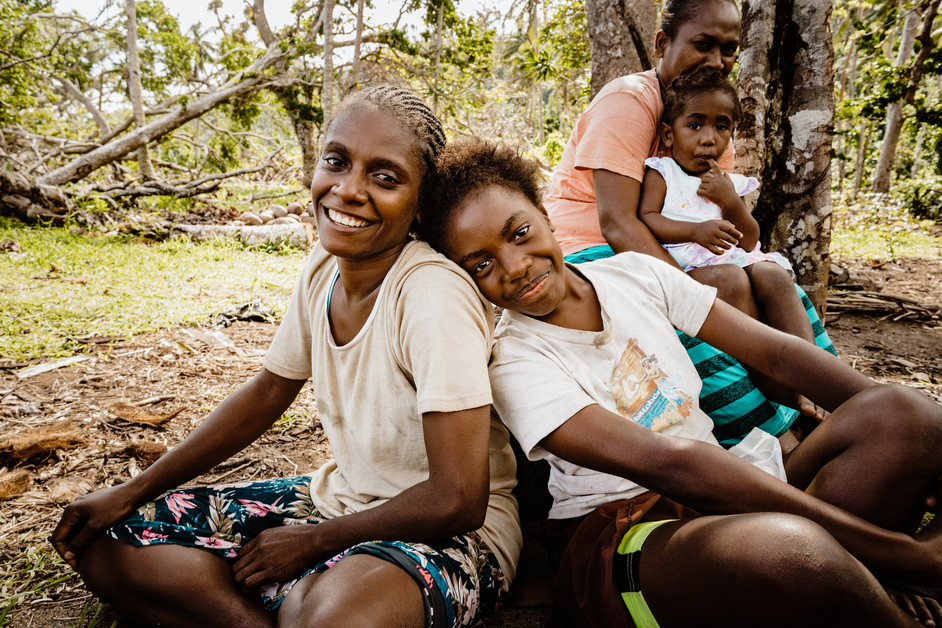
[696,211]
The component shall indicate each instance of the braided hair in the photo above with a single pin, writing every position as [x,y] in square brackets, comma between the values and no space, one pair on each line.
[410,110]
[676,13]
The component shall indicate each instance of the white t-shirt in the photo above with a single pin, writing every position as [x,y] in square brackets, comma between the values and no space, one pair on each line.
[542,374]
[424,348]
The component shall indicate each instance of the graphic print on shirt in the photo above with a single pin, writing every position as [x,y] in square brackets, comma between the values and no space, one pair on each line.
[644,394]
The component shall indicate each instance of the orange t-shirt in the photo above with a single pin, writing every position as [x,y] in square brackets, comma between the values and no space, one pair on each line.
[617,132]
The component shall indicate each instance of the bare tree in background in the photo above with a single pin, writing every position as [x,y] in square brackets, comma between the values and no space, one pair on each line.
[925,14]
[134,88]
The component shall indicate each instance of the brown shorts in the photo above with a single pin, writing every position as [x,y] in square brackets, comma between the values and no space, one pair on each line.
[584,587]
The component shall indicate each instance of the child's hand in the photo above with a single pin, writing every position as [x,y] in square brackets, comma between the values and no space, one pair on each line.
[716,186]
[716,235]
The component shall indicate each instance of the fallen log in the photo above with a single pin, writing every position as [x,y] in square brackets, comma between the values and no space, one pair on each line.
[29,201]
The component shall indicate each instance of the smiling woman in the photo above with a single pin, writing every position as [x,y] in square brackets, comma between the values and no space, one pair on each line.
[413,522]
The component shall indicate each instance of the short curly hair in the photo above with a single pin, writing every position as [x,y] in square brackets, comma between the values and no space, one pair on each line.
[690,84]
[467,168]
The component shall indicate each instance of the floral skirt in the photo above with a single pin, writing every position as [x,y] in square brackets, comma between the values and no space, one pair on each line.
[460,578]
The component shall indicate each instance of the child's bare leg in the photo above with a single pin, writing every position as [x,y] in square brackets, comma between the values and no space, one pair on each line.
[360,590]
[778,301]
[877,456]
[732,286]
[169,585]
[759,570]
[781,307]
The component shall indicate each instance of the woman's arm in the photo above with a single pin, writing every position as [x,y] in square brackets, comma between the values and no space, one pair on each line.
[713,481]
[715,235]
[241,418]
[453,500]
[617,199]
[716,186]
[820,376]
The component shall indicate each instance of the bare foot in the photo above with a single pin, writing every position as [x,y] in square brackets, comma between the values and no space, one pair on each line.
[809,408]
[922,604]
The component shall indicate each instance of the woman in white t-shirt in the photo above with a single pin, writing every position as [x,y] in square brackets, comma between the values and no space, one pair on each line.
[588,374]
[413,522]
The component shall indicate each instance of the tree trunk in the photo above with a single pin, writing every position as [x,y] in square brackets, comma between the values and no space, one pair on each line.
[134,88]
[91,161]
[894,112]
[863,140]
[327,89]
[437,56]
[621,38]
[356,46]
[23,198]
[787,80]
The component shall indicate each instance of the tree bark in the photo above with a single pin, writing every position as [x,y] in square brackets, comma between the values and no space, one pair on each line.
[787,82]
[621,38]
[894,111]
[134,88]
[863,140]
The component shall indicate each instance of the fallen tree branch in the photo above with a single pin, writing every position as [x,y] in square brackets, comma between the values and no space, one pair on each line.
[259,197]
[864,301]
[180,188]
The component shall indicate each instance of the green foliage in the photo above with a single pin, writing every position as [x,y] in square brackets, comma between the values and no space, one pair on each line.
[922,197]
[867,39]
[879,226]
[29,569]
[24,43]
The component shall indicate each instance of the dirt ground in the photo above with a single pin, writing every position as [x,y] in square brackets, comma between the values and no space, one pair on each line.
[93,423]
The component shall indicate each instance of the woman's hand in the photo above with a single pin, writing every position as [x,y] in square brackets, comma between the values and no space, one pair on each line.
[85,519]
[715,235]
[277,555]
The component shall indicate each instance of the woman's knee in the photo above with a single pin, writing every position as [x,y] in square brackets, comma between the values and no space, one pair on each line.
[360,590]
[892,415]
[772,567]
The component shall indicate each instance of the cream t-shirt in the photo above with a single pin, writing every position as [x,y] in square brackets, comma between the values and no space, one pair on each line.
[424,348]
[635,367]
[617,132]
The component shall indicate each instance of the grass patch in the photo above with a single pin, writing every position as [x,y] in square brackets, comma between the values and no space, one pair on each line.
[60,286]
[880,227]
[29,569]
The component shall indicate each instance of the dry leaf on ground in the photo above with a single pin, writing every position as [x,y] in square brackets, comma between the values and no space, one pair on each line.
[13,483]
[133,414]
[43,440]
